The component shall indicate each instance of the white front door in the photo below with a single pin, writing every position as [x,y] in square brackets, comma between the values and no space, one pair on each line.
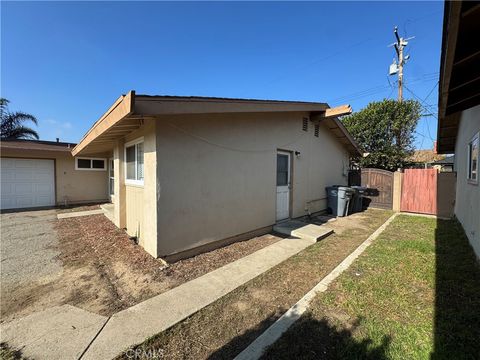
[27,183]
[283,185]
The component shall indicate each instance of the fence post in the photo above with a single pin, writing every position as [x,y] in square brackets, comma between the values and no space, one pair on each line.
[397,190]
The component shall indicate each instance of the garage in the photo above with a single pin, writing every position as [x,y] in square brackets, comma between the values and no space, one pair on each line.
[27,183]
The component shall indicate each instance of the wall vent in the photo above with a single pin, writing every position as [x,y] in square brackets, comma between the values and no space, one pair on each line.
[305,124]
[317,129]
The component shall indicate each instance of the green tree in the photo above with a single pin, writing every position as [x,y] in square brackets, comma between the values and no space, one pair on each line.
[385,132]
[12,123]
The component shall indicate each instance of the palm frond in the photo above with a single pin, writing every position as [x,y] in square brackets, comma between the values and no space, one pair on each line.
[21,132]
[11,123]
[19,117]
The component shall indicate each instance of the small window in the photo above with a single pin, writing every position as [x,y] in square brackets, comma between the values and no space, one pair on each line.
[317,130]
[90,164]
[473,149]
[134,161]
[282,170]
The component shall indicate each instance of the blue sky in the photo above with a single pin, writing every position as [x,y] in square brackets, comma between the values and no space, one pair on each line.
[66,62]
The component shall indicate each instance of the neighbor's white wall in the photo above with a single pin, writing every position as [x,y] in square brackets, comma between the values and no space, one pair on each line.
[217,174]
[467,204]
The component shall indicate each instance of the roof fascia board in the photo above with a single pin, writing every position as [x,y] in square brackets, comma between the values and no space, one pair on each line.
[151,106]
[121,108]
[452,14]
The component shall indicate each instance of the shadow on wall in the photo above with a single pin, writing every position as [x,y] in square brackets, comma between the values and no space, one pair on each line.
[320,340]
[457,295]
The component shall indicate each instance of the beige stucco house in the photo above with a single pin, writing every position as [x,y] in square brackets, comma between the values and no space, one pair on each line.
[44,173]
[194,173]
[459,109]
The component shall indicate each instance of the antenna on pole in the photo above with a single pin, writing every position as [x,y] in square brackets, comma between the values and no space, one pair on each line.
[397,65]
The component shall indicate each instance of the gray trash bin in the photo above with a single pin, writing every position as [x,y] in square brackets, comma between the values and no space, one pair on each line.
[338,199]
[356,204]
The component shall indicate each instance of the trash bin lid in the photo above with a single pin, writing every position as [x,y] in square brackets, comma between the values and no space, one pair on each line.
[360,189]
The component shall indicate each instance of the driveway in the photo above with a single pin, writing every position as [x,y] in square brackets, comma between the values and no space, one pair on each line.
[89,263]
[28,254]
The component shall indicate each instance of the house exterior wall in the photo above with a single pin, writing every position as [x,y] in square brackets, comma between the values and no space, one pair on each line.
[217,174]
[467,204]
[71,186]
[136,206]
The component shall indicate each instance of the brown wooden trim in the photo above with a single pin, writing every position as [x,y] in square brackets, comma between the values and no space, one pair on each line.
[122,107]
[338,111]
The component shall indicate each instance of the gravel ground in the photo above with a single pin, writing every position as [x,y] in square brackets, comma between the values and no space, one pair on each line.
[28,254]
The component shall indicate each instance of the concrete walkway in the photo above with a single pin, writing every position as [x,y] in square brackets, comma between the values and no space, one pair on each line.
[135,324]
[60,331]
[275,331]
[79,213]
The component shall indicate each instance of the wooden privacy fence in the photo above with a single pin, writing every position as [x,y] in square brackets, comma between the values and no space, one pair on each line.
[419,191]
[427,191]
[379,183]
[424,191]
[380,187]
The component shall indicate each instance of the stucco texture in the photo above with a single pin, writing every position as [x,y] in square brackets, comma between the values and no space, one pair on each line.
[217,174]
[467,204]
[72,186]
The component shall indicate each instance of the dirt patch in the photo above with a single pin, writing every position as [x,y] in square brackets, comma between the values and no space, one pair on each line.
[224,328]
[114,273]
[103,271]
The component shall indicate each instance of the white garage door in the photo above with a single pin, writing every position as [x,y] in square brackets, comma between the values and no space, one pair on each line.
[27,183]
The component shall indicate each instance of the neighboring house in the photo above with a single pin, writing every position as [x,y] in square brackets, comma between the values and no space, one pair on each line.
[193,173]
[459,109]
[445,165]
[44,173]
[423,159]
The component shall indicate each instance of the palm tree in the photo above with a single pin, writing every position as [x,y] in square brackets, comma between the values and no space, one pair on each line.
[12,127]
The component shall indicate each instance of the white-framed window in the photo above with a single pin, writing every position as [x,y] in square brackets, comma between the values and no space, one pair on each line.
[473,154]
[134,162]
[92,164]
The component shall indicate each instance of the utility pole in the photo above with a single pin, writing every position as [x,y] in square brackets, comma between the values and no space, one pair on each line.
[397,66]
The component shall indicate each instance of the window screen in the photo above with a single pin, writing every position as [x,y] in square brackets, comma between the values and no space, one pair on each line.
[83,163]
[131,162]
[282,170]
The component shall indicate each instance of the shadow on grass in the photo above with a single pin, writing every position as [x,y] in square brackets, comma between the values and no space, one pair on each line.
[310,338]
[457,295]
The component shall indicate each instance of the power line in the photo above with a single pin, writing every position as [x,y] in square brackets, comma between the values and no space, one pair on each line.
[381,88]
[422,102]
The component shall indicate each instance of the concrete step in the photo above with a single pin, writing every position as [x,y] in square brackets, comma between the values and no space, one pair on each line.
[108,210]
[302,230]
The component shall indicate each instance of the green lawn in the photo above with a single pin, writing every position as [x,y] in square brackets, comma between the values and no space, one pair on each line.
[414,294]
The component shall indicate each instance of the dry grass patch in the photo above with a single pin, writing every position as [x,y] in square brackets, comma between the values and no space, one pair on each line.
[226,327]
